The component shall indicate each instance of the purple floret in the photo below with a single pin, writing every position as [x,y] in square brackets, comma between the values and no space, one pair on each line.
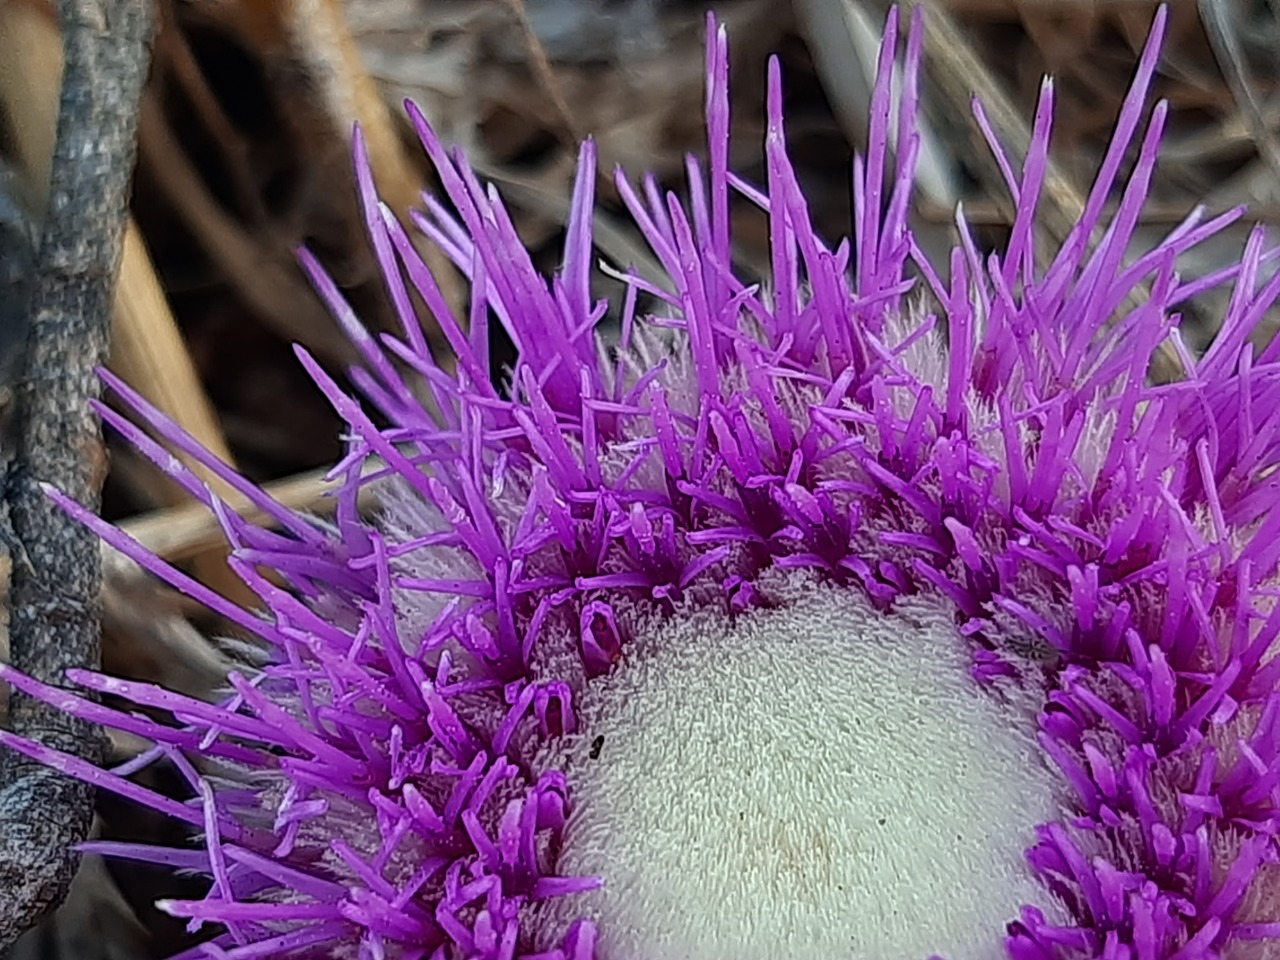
[372,788]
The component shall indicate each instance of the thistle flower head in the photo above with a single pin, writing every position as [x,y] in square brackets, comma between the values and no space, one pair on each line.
[865,613]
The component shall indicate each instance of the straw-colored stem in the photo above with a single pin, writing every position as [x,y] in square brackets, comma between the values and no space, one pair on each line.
[179,533]
[147,350]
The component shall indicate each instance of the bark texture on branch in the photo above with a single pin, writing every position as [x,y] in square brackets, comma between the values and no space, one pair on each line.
[54,618]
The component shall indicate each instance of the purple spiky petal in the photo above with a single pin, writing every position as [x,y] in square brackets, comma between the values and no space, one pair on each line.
[984,438]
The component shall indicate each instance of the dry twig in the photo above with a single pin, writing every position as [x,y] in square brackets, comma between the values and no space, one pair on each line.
[55,603]
[147,348]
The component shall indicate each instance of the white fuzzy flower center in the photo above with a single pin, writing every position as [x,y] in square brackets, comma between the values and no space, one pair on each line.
[818,781]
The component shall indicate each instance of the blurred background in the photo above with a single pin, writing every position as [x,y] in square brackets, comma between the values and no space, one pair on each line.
[244,155]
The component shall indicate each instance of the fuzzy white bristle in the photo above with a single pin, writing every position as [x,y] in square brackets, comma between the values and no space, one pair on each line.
[821,780]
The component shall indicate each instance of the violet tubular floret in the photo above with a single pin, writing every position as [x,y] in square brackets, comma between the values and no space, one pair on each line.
[426,761]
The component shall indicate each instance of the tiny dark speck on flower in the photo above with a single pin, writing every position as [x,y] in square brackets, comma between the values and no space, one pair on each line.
[596,746]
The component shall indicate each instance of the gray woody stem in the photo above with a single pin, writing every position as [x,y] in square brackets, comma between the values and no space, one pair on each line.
[54,618]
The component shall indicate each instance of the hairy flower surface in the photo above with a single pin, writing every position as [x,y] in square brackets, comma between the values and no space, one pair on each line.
[866,615]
